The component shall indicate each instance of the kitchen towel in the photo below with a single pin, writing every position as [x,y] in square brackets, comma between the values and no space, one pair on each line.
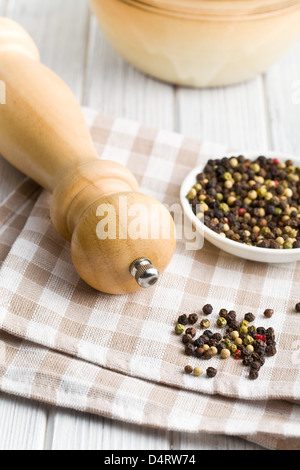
[118,356]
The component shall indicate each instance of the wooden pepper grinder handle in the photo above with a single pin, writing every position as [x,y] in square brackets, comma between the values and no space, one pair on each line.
[120,238]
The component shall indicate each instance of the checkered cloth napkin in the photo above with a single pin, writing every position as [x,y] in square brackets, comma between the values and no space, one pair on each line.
[63,343]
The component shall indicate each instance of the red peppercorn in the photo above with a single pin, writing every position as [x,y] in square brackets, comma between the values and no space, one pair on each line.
[275,161]
[226,220]
[242,211]
[276,182]
[261,337]
[237,354]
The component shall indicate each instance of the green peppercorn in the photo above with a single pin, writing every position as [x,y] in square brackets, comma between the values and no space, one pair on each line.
[244,323]
[179,329]
[226,342]
[224,207]
[227,176]
[205,323]
[252,330]
[233,348]
[221,322]
[277,211]
[248,340]
[255,167]
[243,330]
[192,193]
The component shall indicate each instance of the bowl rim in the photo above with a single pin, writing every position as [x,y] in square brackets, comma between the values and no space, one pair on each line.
[206,230]
[214,11]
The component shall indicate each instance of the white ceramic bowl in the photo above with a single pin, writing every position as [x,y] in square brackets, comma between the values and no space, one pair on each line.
[266,255]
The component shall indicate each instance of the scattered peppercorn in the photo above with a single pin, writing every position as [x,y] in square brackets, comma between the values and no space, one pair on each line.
[205,323]
[253,374]
[249,317]
[207,309]
[239,339]
[197,371]
[191,331]
[221,322]
[297,307]
[189,349]
[193,318]
[211,372]
[225,353]
[186,339]
[179,329]
[188,369]
[268,313]
[183,319]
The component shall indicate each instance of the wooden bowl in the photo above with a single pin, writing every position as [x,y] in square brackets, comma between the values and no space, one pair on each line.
[200,43]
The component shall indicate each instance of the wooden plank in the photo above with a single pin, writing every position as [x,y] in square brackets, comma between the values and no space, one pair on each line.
[69,430]
[60,30]
[282,84]
[116,88]
[185,441]
[232,115]
[23,424]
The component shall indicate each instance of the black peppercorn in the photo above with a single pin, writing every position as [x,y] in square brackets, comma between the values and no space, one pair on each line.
[223,313]
[261,330]
[208,354]
[191,331]
[217,337]
[249,317]
[189,349]
[208,333]
[199,342]
[255,366]
[207,309]
[253,374]
[193,317]
[231,316]
[270,350]
[234,324]
[268,312]
[297,307]
[188,369]
[187,339]
[199,352]
[183,319]
[211,372]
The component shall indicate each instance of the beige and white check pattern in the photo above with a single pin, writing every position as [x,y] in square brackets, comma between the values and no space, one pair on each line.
[64,343]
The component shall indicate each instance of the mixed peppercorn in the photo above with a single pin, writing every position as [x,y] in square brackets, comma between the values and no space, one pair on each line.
[241,340]
[254,202]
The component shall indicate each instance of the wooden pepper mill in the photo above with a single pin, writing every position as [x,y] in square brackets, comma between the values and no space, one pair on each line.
[44,135]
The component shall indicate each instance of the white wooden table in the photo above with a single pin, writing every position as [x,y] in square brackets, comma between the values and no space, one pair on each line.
[263,113]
